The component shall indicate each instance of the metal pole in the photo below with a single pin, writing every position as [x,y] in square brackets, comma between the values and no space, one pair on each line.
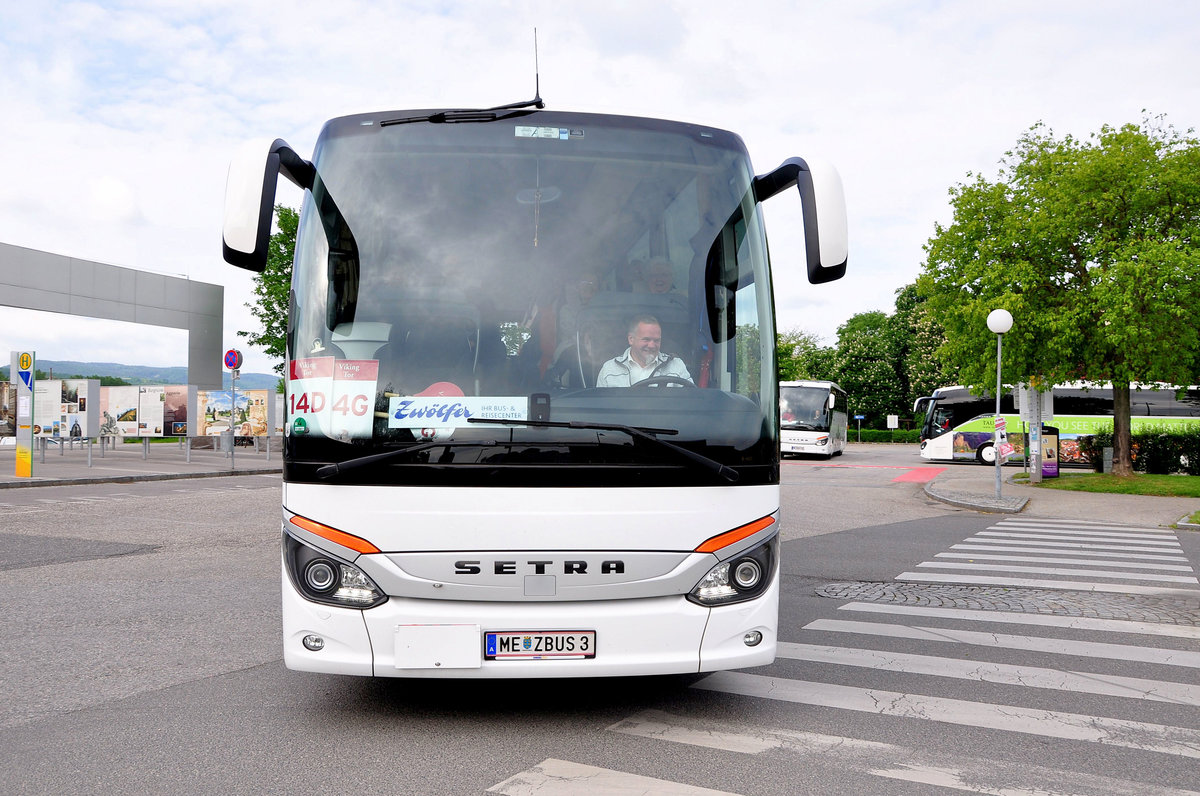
[232,415]
[996,433]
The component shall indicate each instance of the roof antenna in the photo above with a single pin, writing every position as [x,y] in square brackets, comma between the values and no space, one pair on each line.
[536,102]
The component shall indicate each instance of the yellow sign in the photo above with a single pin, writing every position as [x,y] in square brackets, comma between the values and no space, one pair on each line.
[26,361]
[24,462]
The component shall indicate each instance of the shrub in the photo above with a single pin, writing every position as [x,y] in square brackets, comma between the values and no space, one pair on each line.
[1092,447]
[885,435]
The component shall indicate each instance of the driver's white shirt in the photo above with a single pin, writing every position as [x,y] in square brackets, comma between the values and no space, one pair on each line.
[624,371]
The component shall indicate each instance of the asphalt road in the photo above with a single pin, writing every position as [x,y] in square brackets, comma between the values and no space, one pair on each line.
[142,656]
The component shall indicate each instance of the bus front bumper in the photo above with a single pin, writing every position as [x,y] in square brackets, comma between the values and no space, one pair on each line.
[661,635]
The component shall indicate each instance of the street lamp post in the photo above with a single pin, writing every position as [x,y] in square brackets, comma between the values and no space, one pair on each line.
[999,321]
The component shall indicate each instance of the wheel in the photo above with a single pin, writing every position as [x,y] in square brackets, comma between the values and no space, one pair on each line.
[664,381]
[986,453]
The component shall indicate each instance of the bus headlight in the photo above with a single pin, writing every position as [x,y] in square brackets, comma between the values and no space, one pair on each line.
[823,440]
[741,578]
[324,578]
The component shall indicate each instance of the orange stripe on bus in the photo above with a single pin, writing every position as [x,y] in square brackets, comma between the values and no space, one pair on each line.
[355,543]
[736,535]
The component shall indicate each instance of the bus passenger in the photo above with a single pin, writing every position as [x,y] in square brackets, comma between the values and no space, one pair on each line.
[643,359]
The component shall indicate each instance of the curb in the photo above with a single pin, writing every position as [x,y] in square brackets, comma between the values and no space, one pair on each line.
[126,479]
[990,505]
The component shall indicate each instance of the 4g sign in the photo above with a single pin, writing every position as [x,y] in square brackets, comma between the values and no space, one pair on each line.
[332,397]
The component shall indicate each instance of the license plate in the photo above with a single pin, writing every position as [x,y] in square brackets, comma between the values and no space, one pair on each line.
[539,645]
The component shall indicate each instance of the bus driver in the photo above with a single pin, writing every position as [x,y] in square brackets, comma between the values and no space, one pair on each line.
[643,359]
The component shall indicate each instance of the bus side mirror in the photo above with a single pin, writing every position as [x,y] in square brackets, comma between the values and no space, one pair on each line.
[250,198]
[823,203]
[832,400]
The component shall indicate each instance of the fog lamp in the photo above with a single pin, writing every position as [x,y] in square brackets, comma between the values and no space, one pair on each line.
[313,643]
[752,639]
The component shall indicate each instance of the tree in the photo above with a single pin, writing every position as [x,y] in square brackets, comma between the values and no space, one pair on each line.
[800,355]
[919,335]
[1092,246]
[868,365]
[272,288]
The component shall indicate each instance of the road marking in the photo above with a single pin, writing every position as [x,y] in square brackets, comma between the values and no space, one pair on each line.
[1064,549]
[1084,524]
[1178,741]
[1033,541]
[1068,536]
[1002,673]
[553,777]
[1076,561]
[1033,583]
[973,774]
[1098,573]
[1089,623]
[1053,646]
[919,475]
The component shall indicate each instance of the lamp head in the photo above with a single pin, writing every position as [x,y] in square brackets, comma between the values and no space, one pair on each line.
[1000,321]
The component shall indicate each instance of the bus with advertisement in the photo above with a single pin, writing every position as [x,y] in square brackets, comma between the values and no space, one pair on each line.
[813,418]
[958,425]
[464,495]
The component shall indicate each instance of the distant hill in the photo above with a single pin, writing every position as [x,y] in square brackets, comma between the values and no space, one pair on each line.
[142,374]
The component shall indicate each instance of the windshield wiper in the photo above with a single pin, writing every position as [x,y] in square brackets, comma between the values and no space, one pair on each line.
[330,470]
[461,115]
[638,432]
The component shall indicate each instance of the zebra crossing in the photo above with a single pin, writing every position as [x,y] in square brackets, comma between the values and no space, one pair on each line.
[1075,555]
[1137,682]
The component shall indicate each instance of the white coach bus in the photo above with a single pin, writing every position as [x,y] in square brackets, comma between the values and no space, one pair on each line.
[813,418]
[460,498]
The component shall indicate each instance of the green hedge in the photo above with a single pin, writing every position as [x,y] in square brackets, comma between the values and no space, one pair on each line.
[1159,451]
[886,435]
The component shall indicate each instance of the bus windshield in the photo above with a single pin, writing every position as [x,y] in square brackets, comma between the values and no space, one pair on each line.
[804,408]
[570,270]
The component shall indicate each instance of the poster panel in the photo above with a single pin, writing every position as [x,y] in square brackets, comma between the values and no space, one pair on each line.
[179,403]
[80,408]
[259,413]
[8,409]
[151,402]
[119,411]
[250,418]
[48,408]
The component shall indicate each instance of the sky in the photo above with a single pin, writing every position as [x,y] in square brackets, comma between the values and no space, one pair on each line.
[118,119]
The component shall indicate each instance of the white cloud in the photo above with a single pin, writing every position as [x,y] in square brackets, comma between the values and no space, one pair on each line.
[118,118]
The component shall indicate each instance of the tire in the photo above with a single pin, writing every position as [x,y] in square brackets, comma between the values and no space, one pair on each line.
[986,454]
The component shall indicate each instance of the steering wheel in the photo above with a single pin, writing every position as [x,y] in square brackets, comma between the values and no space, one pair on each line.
[664,381]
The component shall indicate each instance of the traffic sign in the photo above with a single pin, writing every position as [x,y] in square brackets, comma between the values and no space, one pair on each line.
[233,359]
[860,417]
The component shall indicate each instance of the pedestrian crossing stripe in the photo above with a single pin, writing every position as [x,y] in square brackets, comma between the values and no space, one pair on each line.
[1033,583]
[1001,673]
[1058,571]
[553,777]
[880,759]
[1087,623]
[1144,736]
